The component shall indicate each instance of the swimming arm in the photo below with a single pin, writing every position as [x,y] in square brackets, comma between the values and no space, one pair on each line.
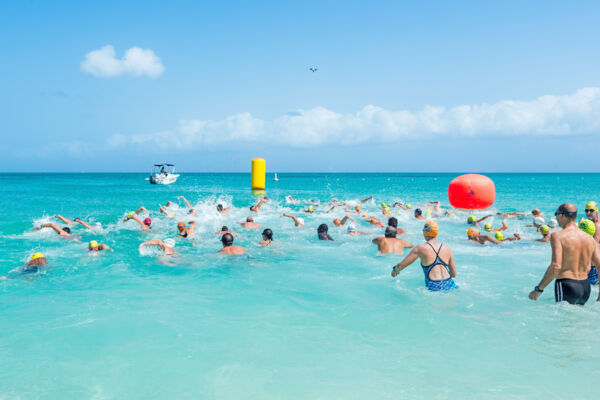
[367,199]
[187,203]
[409,259]
[53,226]
[192,227]
[153,242]
[83,223]
[484,218]
[136,219]
[63,219]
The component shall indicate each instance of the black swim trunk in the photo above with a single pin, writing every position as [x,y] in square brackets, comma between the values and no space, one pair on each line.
[571,290]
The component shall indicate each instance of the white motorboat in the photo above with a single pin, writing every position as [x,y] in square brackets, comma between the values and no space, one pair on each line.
[163,174]
[275,179]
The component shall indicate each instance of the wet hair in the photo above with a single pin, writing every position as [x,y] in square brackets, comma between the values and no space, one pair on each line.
[390,232]
[418,211]
[219,207]
[67,229]
[568,210]
[323,228]
[227,239]
[393,222]
[249,219]
[268,234]
[224,228]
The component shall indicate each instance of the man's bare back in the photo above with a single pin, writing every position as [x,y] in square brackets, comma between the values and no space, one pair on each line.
[391,245]
[232,250]
[575,249]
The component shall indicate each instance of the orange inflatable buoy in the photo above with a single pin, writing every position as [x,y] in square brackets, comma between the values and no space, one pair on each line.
[471,191]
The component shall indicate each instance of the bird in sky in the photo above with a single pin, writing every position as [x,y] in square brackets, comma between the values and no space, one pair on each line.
[313,69]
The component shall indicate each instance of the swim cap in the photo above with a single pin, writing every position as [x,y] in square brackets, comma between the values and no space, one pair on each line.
[351,228]
[357,208]
[431,229]
[181,225]
[537,221]
[301,220]
[36,256]
[408,206]
[383,205]
[591,205]
[427,212]
[169,242]
[535,211]
[147,221]
[588,226]
[544,230]
[93,244]
[488,227]
[553,223]
[364,215]
[472,231]
[310,208]
[472,219]
[499,236]
[130,214]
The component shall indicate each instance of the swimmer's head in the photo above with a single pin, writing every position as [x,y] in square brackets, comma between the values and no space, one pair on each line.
[130,214]
[553,223]
[565,214]
[67,229]
[224,228]
[472,232]
[357,208]
[36,256]
[588,226]
[310,209]
[499,236]
[249,218]
[393,222]
[169,242]
[418,212]
[364,215]
[408,206]
[301,220]
[351,228]
[390,232]
[227,239]
[431,229]
[544,230]
[267,234]
[337,221]
[488,227]
[536,212]
[181,225]
[98,225]
[323,228]
[383,205]
[219,207]
[147,221]
[538,221]
[428,212]
[93,245]
[471,220]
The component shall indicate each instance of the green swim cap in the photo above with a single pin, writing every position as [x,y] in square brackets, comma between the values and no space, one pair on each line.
[588,226]
[544,230]
[488,227]
[499,236]
[130,214]
[383,205]
[408,206]
[471,220]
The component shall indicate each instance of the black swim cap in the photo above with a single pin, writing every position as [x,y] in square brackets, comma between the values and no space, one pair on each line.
[418,211]
[224,228]
[227,239]
[390,232]
[268,234]
[322,228]
[219,207]
[66,229]
[393,222]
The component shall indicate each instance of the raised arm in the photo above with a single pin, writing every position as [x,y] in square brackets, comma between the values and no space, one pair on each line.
[192,227]
[139,210]
[83,223]
[484,218]
[53,226]
[260,203]
[153,242]
[63,219]
[136,219]
[409,259]
[187,203]
[367,199]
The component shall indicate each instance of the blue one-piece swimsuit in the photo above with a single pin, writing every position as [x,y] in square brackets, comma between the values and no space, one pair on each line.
[437,286]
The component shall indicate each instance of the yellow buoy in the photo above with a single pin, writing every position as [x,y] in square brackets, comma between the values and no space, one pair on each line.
[257,176]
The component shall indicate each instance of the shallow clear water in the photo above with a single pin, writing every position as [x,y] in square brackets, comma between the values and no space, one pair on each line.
[298,319]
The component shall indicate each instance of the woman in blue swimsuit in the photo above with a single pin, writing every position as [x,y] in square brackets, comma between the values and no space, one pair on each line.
[438,273]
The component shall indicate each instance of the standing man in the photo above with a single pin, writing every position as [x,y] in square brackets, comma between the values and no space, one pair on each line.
[573,252]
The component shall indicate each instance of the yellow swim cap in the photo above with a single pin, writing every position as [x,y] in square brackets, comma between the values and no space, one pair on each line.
[588,226]
[383,205]
[488,227]
[130,214]
[310,208]
[544,230]
[427,212]
[408,206]
[93,244]
[591,205]
[472,231]
[472,219]
[36,256]
[499,236]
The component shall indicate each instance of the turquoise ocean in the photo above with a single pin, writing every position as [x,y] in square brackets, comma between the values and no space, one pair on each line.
[300,319]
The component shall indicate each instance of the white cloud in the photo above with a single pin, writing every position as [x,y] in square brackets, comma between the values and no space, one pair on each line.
[577,113]
[135,62]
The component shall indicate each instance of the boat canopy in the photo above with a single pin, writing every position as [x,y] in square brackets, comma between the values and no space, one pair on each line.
[164,165]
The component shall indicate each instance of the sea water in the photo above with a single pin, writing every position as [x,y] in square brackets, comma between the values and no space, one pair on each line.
[299,319]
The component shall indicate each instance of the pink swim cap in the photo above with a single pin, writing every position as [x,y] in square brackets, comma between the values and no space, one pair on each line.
[147,221]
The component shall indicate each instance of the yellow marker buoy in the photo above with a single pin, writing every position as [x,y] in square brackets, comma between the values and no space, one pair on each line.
[258,173]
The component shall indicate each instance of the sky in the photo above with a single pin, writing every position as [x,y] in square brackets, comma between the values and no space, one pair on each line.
[400,86]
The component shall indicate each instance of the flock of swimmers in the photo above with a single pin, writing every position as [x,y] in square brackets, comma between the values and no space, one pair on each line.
[575,248]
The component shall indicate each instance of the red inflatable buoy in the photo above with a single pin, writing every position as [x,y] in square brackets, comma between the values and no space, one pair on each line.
[471,191]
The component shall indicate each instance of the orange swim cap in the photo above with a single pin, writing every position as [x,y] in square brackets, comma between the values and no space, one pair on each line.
[472,232]
[357,208]
[181,225]
[535,211]
[431,229]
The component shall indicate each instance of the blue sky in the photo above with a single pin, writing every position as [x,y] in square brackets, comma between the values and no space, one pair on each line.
[400,86]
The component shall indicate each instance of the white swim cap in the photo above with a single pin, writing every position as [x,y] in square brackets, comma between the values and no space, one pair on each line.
[351,227]
[553,223]
[301,220]
[538,221]
[169,242]
[98,225]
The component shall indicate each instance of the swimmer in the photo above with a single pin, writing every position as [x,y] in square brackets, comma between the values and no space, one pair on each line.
[573,251]
[393,222]
[438,273]
[290,199]
[472,220]
[375,221]
[322,232]
[222,210]
[63,232]
[249,224]
[36,262]
[184,231]
[297,221]
[591,213]
[188,205]
[78,220]
[338,222]
[436,206]
[589,227]
[145,225]
[545,231]
[488,227]
[267,236]
[228,247]
[355,211]
[224,230]
[166,245]
[94,246]
[385,209]
[352,230]
[256,208]
[402,206]
[418,214]
[499,236]
[163,210]
[537,222]
[473,234]
[310,210]
[389,243]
